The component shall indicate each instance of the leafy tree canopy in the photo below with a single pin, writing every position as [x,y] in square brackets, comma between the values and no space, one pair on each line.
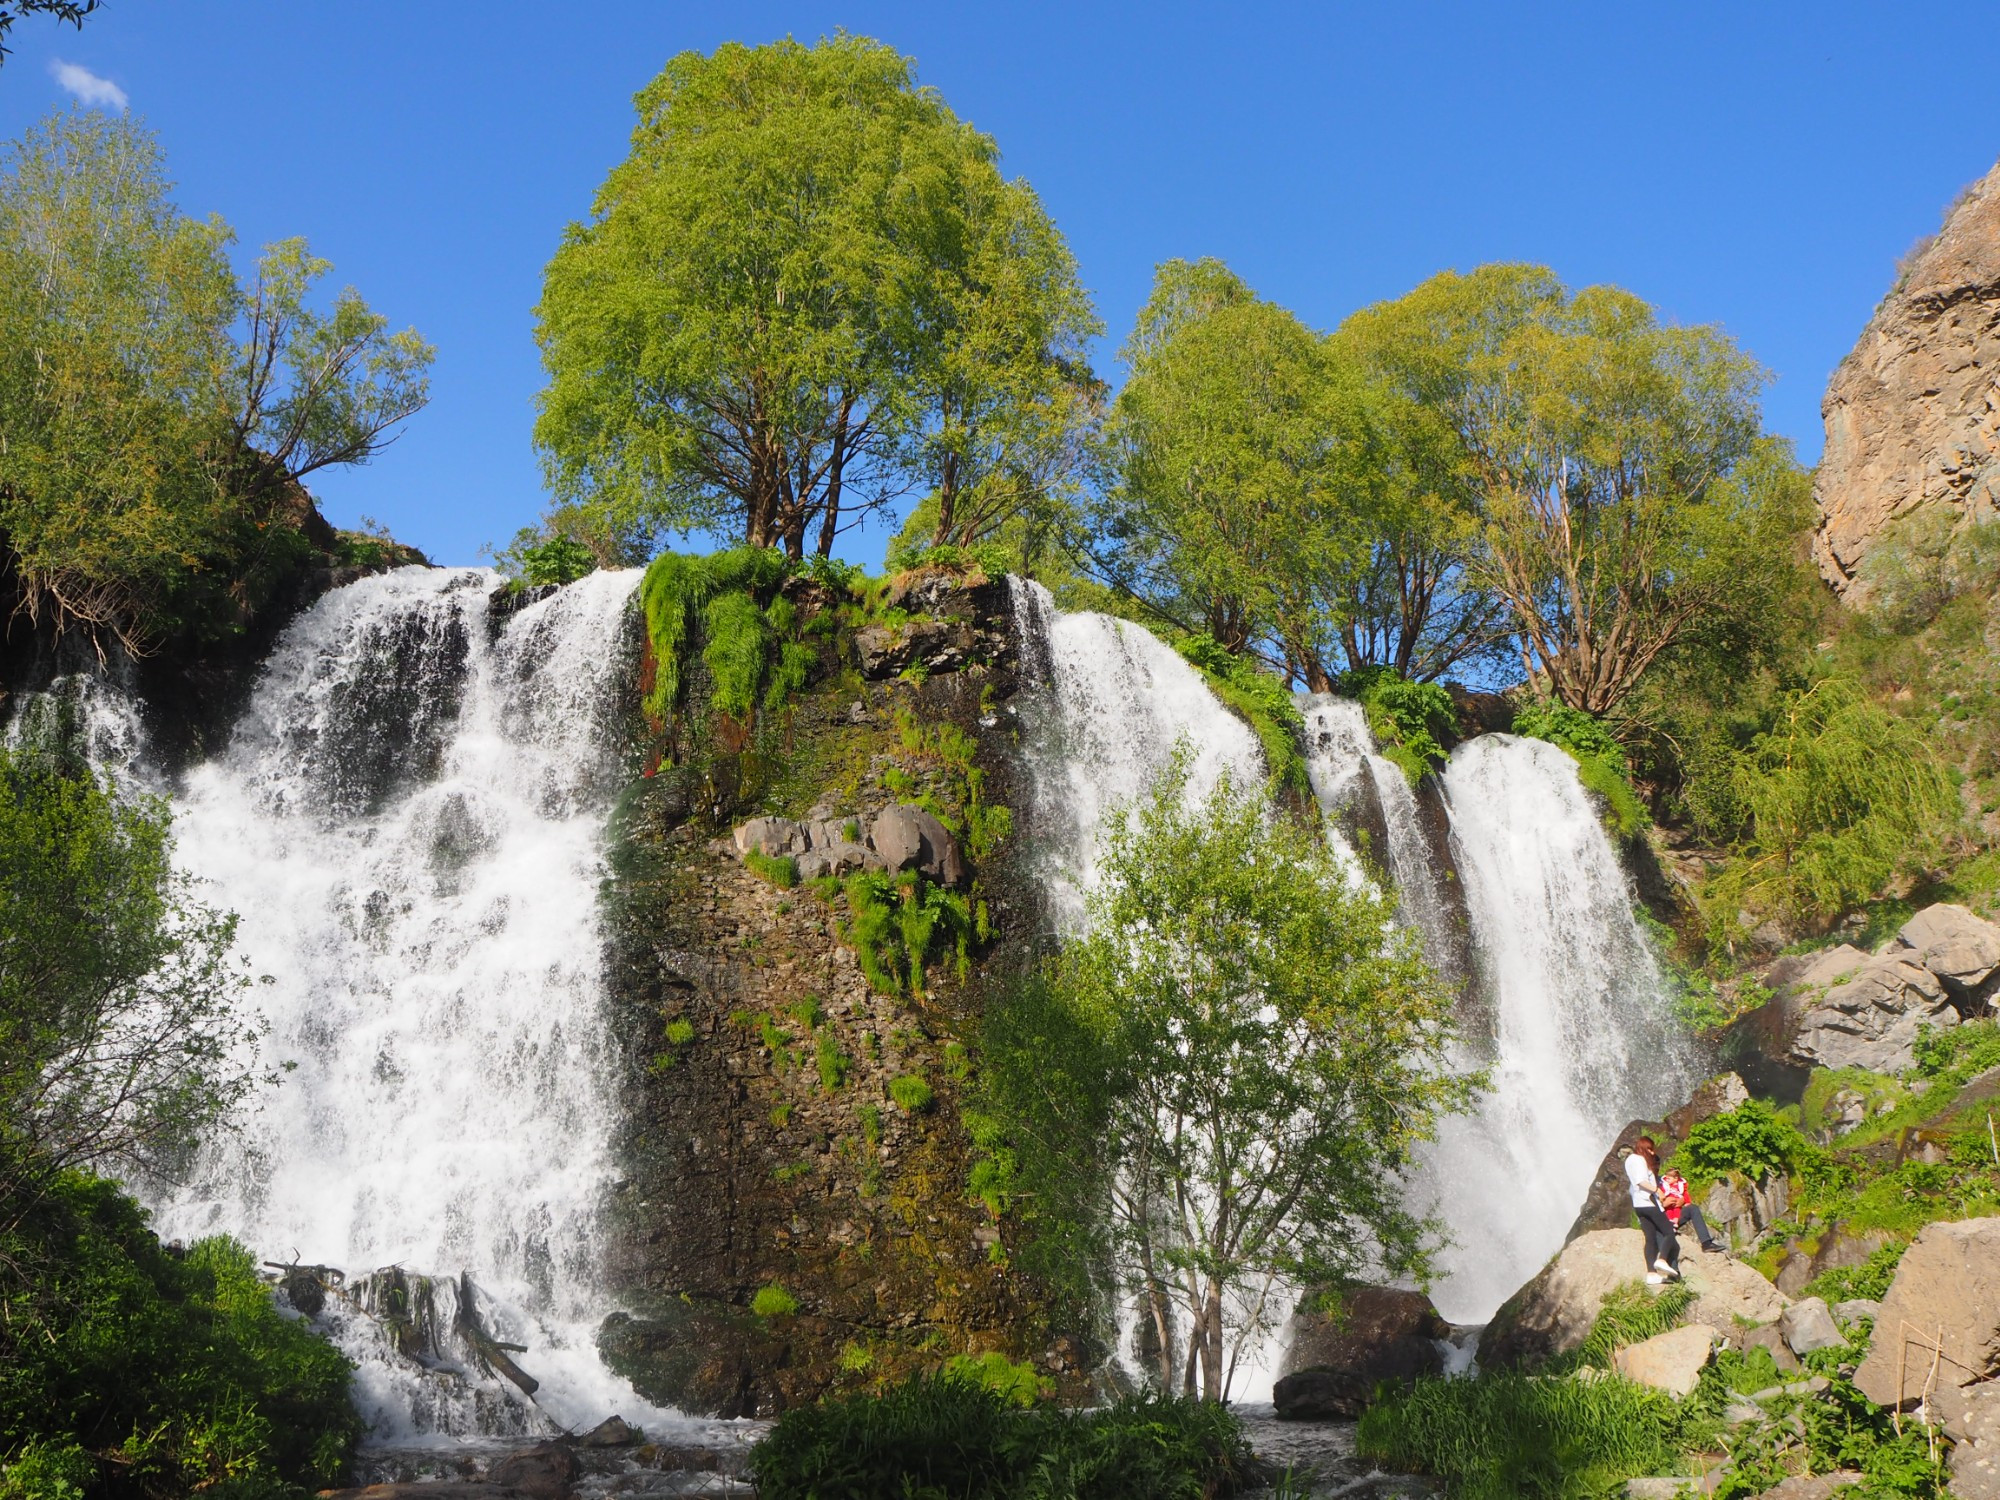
[159,414]
[806,292]
[72,11]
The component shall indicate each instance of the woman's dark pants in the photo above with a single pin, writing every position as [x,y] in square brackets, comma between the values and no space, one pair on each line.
[1661,1241]
[1692,1215]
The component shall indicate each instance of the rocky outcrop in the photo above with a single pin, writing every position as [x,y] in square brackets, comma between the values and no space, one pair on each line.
[1334,1361]
[1937,1337]
[956,621]
[899,837]
[1913,413]
[1552,1314]
[1807,1326]
[1844,1008]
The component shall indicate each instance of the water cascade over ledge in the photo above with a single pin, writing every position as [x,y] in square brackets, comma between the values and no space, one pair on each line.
[409,820]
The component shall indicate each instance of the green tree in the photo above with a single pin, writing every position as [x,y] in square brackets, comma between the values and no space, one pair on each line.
[159,416]
[1596,440]
[121,1037]
[1277,1049]
[805,292]
[1238,441]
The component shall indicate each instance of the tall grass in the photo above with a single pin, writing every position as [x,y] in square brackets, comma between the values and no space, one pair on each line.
[940,1437]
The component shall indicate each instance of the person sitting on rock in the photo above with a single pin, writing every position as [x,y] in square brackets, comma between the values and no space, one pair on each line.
[1682,1211]
[1663,1247]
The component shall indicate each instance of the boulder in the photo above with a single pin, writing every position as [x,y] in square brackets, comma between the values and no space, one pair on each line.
[1670,1361]
[1729,1294]
[1812,1486]
[838,859]
[612,1432]
[1808,1327]
[1854,1309]
[1768,1337]
[1909,412]
[546,1471]
[1333,1363]
[1960,949]
[909,838]
[1948,1285]
[1872,1020]
[1975,1461]
[1837,1249]
[772,837]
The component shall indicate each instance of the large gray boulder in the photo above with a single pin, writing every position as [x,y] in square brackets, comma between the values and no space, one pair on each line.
[1807,1326]
[1332,1364]
[771,837]
[1872,1020]
[1939,1328]
[909,838]
[838,859]
[1975,1461]
[1962,950]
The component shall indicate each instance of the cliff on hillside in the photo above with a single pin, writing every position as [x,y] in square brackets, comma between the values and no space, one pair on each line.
[1913,413]
[808,917]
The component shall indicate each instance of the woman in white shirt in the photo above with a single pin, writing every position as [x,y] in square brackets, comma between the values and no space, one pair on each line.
[1663,1246]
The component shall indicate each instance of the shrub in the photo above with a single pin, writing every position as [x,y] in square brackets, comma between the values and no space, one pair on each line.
[560,559]
[1870,1279]
[773,1301]
[1018,1384]
[1259,699]
[1955,1053]
[732,599]
[945,1435]
[910,1093]
[1752,1138]
[1504,1435]
[1410,720]
[178,1364]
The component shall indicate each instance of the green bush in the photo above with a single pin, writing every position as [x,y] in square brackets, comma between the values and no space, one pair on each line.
[1752,1138]
[560,559]
[1954,1054]
[174,1372]
[1502,1435]
[1018,1383]
[780,870]
[749,630]
[946,1436]
[1870,1279]
[898,922]
[1410,720]
[910,1093]
[773,1301]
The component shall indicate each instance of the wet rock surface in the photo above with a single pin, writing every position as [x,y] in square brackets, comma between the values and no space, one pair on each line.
[1334,1361]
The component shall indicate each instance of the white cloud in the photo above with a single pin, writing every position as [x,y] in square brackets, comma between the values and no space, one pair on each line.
[86,85]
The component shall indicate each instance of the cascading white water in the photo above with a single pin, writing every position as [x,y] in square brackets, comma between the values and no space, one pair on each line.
[1344,769]
[409,821]
[1584,1038]
[1121,699]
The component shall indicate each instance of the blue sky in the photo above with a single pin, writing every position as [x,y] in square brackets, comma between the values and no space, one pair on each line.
[1757,166]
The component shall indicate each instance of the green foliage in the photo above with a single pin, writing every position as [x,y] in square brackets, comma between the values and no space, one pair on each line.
[1018,1384]
[560,559]
[1837,796]
[780,870]
[175,1372]
[1923,561]
[679,1032]
[1501,1435]
[121,1036]
[1952,1054]
[1753,1139]
[910,1094]
[773,1301]
[1870,1279]
[159,413]
[1260,700]
[730,598]
[833,1063]
[945,1435]
[1409,720]
[807,255]
[1237,978]
[897,922]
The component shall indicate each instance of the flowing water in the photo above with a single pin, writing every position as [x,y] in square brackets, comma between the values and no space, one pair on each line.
[409,821]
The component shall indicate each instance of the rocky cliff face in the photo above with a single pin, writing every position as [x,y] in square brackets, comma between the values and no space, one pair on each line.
[1913,413]
[797,1215]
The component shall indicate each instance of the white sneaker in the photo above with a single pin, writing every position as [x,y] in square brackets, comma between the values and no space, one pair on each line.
[1666,1270]
[1653,1278]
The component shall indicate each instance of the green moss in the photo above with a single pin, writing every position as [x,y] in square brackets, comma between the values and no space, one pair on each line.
[680,1032]
[1600,759]
[774,1301]
[833,1063]
[730,598]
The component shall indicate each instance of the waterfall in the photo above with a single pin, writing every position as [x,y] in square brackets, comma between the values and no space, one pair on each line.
[1349,779]
[1118,700]
[1584,1040]
[409,820]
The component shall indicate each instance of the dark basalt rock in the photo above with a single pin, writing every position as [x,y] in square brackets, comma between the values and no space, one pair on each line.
[546,1471]
[1335,1362]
